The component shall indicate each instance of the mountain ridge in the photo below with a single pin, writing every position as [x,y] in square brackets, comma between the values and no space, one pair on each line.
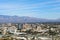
[23,19]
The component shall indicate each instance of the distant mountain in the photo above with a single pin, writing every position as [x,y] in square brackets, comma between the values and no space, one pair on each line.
[24,19]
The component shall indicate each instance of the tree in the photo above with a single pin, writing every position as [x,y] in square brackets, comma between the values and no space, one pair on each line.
[51,32]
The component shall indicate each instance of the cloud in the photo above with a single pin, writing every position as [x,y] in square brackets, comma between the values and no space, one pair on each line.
[35,8]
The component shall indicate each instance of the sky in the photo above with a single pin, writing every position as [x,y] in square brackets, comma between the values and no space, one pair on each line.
[49,9]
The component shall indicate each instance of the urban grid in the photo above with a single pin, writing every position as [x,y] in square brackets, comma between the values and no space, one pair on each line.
[29,31]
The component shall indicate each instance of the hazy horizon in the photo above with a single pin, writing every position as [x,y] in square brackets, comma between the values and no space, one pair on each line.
[48,9]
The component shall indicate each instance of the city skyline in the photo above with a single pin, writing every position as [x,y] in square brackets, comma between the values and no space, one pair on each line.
[49,9]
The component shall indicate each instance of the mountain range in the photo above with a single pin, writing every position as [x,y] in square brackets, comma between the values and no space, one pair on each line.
[23,19]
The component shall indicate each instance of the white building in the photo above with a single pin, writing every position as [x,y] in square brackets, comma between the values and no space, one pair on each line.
[12,29]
